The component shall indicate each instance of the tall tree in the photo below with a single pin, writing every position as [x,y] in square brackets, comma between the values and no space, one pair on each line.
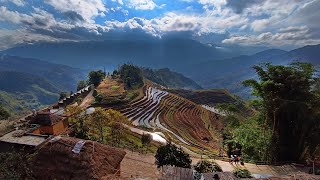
[286,99]
[95,77]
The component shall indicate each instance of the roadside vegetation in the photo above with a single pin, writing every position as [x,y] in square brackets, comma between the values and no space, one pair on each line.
[285,122]
[173,156]
[107,127]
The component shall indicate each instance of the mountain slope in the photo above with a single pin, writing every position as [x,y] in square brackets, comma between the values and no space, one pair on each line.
[170,79]
[29,83]
[61,76]
[22,91]
[229,73]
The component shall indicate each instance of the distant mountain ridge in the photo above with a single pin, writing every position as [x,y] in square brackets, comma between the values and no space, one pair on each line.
[229,73]
[170,79]
[30,83]
[62,76]
[169,51]
[207,65]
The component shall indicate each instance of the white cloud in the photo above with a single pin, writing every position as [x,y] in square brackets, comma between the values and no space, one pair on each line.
[294,36]
[172,22]
[141,4]
[88,9]
[14,16]
[10,38]
[16,2]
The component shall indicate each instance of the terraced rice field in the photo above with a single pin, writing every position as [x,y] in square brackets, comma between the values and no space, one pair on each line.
[185,122]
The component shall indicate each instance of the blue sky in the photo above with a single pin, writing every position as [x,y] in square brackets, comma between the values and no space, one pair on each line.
[271,23]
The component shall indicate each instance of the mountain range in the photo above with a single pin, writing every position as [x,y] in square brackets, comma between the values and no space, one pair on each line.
[208,65]
[229,73]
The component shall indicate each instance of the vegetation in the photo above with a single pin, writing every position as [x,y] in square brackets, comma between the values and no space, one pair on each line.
[146,140]
[100,121]
[82,84]
[4,113]
[131,76]
[289,106]
[168,78]
[95,77]
[242,173]
[207,167]
[254,139]
[171,155]
[77,119]
[100,125]
[63,95]
[15,165]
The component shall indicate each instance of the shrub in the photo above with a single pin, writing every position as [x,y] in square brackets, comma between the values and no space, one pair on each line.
[4,113]
[146,139]
[242,173]
[207,167]
[15,165]
[171,155]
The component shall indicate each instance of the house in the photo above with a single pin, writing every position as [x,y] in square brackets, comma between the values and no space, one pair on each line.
[50,123]
[20,139]
[56,159]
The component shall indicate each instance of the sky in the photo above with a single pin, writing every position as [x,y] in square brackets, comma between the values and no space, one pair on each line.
[270,23]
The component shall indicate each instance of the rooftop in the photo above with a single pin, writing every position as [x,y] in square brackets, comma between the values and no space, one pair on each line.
[20,137]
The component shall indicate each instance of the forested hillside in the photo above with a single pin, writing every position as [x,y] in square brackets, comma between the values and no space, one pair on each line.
[26,84]
[168,78]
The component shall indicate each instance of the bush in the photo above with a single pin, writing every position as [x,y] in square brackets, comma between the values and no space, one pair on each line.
[171,155]
[242,173]
[4,113]
[146,139]
[207,167]
[15,165]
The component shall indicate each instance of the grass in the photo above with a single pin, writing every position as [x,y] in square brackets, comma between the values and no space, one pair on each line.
[111,87]
[114,88]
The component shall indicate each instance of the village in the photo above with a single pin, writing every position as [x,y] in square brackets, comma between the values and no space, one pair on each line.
[60,156]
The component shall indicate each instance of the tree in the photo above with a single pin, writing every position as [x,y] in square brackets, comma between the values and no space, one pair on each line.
[116,133]
[82,84]
[254,138]
[100,121]
[63,95]
[287,101]
[207,167]
[4,114]
[131,76]
[95,77]
[77,118]
[171,155]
